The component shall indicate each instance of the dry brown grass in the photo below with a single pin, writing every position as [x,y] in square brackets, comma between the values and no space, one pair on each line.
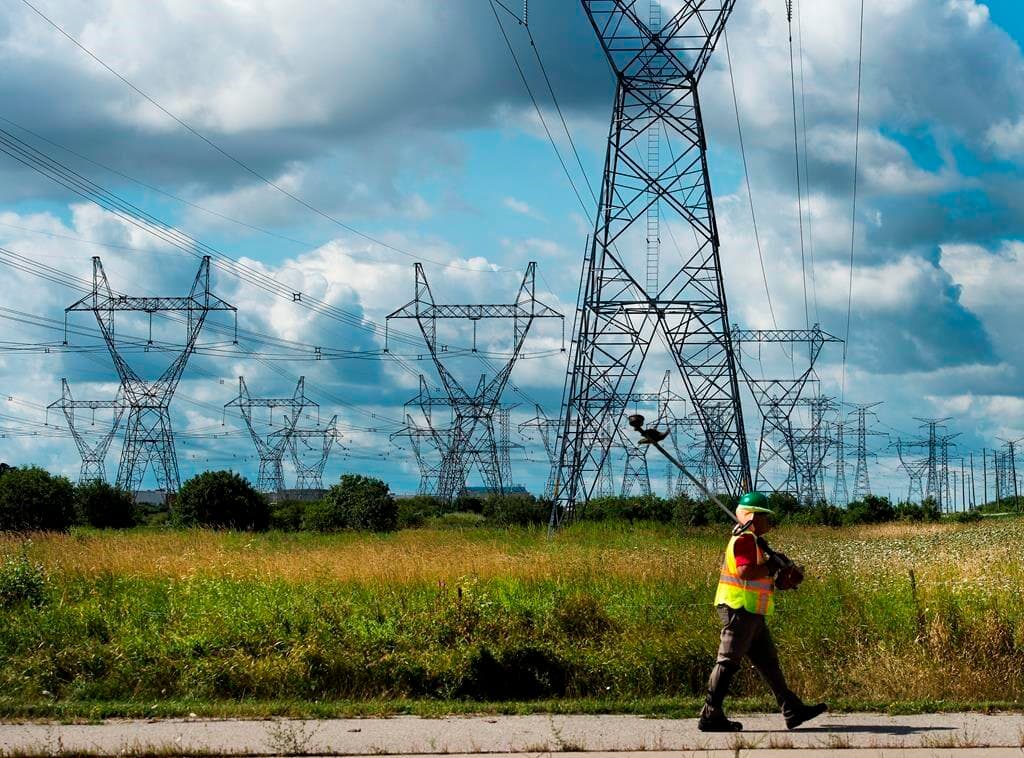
[412,556]
[938,553]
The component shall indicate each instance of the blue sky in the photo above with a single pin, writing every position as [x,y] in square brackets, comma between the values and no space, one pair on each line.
[408,121]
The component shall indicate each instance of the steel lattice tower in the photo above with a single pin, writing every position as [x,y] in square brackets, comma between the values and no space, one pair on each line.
[637,472]
[504,442]
[547,430]
[933,487]
[862,482]
[1006,474]
[605,485]
[811,445]
[270,448]
[915,469]
[93,453]
[311,460]
[430,467]
[999,471]
[472,433]
[937,463]
[679,485]
[416,436]
[149,438]
[776,399]
[840,494]
[657,71]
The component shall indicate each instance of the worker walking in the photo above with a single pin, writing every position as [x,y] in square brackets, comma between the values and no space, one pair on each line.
[744,599]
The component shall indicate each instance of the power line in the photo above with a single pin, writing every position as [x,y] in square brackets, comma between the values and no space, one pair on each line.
[853,210]
[536,106]
[807,170]
[746,177]
[561,116]
[153,188]
[246,167]
[796,153]
[58,172]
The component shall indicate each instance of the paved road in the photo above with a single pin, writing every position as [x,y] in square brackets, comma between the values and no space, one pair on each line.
[855,734]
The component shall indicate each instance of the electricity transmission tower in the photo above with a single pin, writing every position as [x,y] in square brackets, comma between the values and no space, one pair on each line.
[149,438]
[810,446]
[416,437]
[1008,469]
[93,453]
[840,494]
[696,459]
[777,399]
[933,487]
[637,472]
[547,430]
[915,471]
[862,482]
[310,449]
[472,433]
[270,448]
[631,295]
[937,463]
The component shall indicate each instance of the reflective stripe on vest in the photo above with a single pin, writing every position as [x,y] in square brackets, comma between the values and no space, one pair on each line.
[754,595]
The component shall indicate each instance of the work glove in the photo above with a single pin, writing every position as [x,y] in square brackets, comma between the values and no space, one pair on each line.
[776,562]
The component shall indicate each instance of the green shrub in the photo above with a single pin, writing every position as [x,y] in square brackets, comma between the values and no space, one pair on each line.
[926,511]
[821,514]
[414,511]
[689,512]
[288,515]
[519,509]
[104,506]
[356,502]
[457,520]
[967,517]
[643,508]
[466,503]
[221,500]
[871,510]
[581,616]
[33,499]
[21,582]
[784,505]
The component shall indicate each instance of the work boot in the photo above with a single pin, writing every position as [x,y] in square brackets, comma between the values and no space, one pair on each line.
[714,720]
[712,717]
[800,713]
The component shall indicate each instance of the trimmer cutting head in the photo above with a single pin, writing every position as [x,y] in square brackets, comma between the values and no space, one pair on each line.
[652,435]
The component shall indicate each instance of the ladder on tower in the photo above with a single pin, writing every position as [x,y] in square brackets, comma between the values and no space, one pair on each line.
[653,169]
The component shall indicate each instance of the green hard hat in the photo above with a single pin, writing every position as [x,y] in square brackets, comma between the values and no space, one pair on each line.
[755,502]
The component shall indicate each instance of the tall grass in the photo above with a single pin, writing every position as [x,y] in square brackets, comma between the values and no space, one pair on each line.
[599,610]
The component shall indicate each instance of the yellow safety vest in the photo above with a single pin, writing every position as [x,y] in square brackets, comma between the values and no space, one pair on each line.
[754,595]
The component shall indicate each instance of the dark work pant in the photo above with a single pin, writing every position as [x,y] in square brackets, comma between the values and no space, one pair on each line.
[746,634]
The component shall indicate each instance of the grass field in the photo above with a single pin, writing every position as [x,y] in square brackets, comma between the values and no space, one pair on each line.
[600,617]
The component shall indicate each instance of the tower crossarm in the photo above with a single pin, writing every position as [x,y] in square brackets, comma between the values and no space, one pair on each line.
[477,312]
[815,337]
[150,304]
[680,49]
[770,336]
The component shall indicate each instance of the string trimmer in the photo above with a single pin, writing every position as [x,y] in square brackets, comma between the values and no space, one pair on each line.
[789,575]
